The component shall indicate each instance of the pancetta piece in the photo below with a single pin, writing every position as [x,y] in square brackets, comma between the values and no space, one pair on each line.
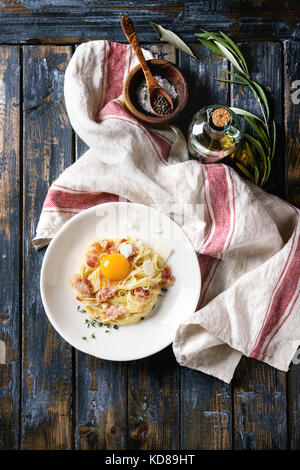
[92,255]
[167,277]
[83,286]
[105,293]
[141,292]
[112,313]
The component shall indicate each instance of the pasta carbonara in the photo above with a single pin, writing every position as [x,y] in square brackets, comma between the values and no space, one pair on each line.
[119,280]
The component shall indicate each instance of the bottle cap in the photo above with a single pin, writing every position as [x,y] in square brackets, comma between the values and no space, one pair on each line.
[220,118]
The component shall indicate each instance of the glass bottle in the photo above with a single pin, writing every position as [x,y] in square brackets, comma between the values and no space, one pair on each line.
[214,133]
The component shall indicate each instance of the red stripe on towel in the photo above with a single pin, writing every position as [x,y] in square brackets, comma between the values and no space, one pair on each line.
[115,71]
[222,216]
[65,200]
[222,213]
[280,303]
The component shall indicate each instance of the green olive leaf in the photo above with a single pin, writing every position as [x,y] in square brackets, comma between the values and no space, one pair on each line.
[229,56]
[243,112]
[210,45]
[237,51]
[172,38]
[259,130]
[245,171]
[262,95]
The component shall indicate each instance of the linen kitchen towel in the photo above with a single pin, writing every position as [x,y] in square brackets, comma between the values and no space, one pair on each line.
[247,240]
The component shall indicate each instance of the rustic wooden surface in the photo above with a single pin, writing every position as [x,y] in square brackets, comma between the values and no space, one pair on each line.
[51,396]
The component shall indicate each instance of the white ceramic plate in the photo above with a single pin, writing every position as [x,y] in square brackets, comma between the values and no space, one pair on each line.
[114,219]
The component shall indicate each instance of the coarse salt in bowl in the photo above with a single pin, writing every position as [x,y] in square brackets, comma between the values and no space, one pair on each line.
[169,76]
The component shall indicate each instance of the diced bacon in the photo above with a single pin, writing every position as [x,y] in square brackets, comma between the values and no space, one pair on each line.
[155,286]
[83,286]
[167,277]
[112,313]
[97,246]
[105,244]
[141,292]
[92,257]
[105,293]
[132,254]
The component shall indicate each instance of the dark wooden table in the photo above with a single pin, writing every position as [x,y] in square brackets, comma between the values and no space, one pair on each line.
[52,396]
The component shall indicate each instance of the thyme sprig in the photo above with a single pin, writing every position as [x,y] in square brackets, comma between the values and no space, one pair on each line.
[260,149]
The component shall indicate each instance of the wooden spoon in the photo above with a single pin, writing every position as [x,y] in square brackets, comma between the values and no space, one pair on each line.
[154,89]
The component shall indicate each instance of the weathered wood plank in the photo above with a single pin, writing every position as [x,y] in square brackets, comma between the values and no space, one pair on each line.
[259,407]
[292,129]
[78,20]
[153,402]
[47,144]
[259,390]
[205,401]
[9,246]
[101,397]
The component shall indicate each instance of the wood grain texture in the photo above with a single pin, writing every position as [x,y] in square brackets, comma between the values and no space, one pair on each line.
[259,390]
[153,402]
[292,127]
[47,361]
[205,401]
[259,407]
[74,21]
[9,246]
[101,398]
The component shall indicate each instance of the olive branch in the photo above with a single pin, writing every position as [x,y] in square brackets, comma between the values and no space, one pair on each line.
[258,151]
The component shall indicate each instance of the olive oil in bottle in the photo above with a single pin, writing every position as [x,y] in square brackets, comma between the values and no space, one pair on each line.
[214,133]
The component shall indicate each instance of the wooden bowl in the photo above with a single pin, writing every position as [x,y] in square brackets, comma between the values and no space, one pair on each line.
[165,69]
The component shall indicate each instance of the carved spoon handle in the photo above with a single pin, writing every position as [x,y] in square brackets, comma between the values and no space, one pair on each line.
[131,35]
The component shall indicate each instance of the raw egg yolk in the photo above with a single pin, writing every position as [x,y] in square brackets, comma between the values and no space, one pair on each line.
[115,267]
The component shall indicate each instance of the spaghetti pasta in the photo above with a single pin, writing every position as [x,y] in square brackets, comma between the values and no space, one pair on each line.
[117,289]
